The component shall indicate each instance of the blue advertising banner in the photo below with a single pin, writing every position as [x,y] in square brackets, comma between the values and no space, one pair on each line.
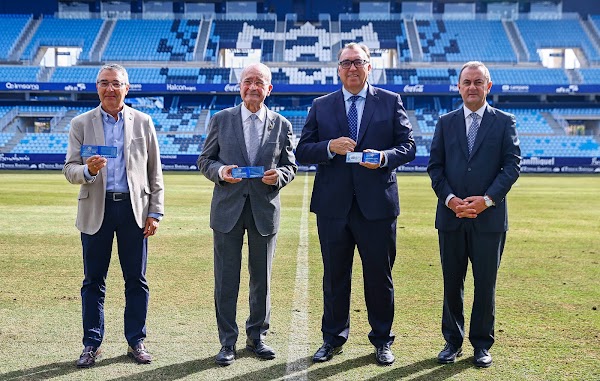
[188,163]
[293,89]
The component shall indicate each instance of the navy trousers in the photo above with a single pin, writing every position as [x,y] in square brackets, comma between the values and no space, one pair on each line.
[132,248]
[484,250]
[376,242]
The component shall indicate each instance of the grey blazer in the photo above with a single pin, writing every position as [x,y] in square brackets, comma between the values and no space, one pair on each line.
[225,145]
[142,161]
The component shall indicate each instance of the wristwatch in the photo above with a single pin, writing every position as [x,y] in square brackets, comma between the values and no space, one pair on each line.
[488,201]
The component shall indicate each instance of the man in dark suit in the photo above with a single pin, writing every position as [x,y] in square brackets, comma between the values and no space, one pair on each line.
[246,135]
[122,195]
[356,203]
[474,161]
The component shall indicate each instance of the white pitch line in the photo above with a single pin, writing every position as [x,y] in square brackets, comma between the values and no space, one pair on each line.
[298,348]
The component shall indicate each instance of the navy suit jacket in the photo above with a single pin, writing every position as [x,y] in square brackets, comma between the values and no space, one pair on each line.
[384,127]
[492,167]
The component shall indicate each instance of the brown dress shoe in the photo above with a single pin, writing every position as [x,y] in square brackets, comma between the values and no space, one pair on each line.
[139,354]
[88,357]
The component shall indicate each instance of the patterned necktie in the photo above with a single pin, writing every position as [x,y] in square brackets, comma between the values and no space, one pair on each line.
[473,131]
[353,118]
[253,142]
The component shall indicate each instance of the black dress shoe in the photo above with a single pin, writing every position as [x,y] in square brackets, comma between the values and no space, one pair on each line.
[260,349]
[482,359]
[226,355]
[384,355]
[326,352]
[139,353]
[449,354]
[88,357]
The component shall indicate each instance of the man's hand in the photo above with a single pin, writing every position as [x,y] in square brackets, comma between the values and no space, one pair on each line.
[373,165]
[342,145]
[270,177]
[151,227]
[470,207]
[461,208]
[95,164]
[227,175]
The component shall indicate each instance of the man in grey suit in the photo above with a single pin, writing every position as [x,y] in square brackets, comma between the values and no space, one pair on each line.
[248,135]
[123,195]
[474,161]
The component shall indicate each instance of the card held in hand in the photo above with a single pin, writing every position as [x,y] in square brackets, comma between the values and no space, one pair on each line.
[106,151]
[353,157]
[371,157]
[247,172]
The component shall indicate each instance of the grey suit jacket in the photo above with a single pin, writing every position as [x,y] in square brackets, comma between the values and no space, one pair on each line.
[142,161]
[225,145]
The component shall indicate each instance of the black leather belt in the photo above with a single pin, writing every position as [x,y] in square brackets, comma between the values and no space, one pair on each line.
[117,196]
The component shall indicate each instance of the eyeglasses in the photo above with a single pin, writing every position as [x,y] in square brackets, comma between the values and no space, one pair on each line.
[249,83]
[115,84]
[345,64]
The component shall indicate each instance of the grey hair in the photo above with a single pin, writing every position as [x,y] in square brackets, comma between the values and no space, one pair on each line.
[114,67]
[476,65]
[352,45]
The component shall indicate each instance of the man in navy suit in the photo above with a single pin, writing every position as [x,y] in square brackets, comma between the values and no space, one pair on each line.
[474,161]
[356,203]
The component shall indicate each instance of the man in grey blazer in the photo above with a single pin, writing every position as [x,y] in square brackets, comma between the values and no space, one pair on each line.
[123,195]
[248,135]
[474,161]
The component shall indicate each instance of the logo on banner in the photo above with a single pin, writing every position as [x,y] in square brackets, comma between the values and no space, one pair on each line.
[515,88]
[232,87]
[413,88]
[567,90]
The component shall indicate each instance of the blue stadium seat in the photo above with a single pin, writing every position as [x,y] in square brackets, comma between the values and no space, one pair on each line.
[566,33]
[12,26]
[64,32]
[460,41]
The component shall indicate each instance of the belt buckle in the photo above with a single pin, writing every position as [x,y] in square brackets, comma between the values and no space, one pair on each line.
[116,196]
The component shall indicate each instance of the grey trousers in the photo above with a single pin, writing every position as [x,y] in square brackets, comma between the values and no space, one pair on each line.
[227,267]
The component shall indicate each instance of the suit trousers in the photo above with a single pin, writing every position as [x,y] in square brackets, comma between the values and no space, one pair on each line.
[227,267]
[376,242]
[484,250]
[97,249]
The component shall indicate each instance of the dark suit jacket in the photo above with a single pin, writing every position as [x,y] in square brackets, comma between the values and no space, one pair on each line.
[225,145]
[492,168]
[384,126]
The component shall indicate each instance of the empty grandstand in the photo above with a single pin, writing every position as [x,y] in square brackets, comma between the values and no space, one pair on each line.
[184,66]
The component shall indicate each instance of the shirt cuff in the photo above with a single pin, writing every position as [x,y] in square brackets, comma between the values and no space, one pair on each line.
[385,160]
[158,216]
[88,177]
[329,153]
[450,197]
[221,172]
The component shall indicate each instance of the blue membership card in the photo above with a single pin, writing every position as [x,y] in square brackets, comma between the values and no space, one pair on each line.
[247,172]
[363,157]
[106,151]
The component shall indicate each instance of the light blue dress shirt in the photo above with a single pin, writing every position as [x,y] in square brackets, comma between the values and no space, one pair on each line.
[116,170]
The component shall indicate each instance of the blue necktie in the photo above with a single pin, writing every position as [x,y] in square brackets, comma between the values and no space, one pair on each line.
[473,131]
[353,118]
